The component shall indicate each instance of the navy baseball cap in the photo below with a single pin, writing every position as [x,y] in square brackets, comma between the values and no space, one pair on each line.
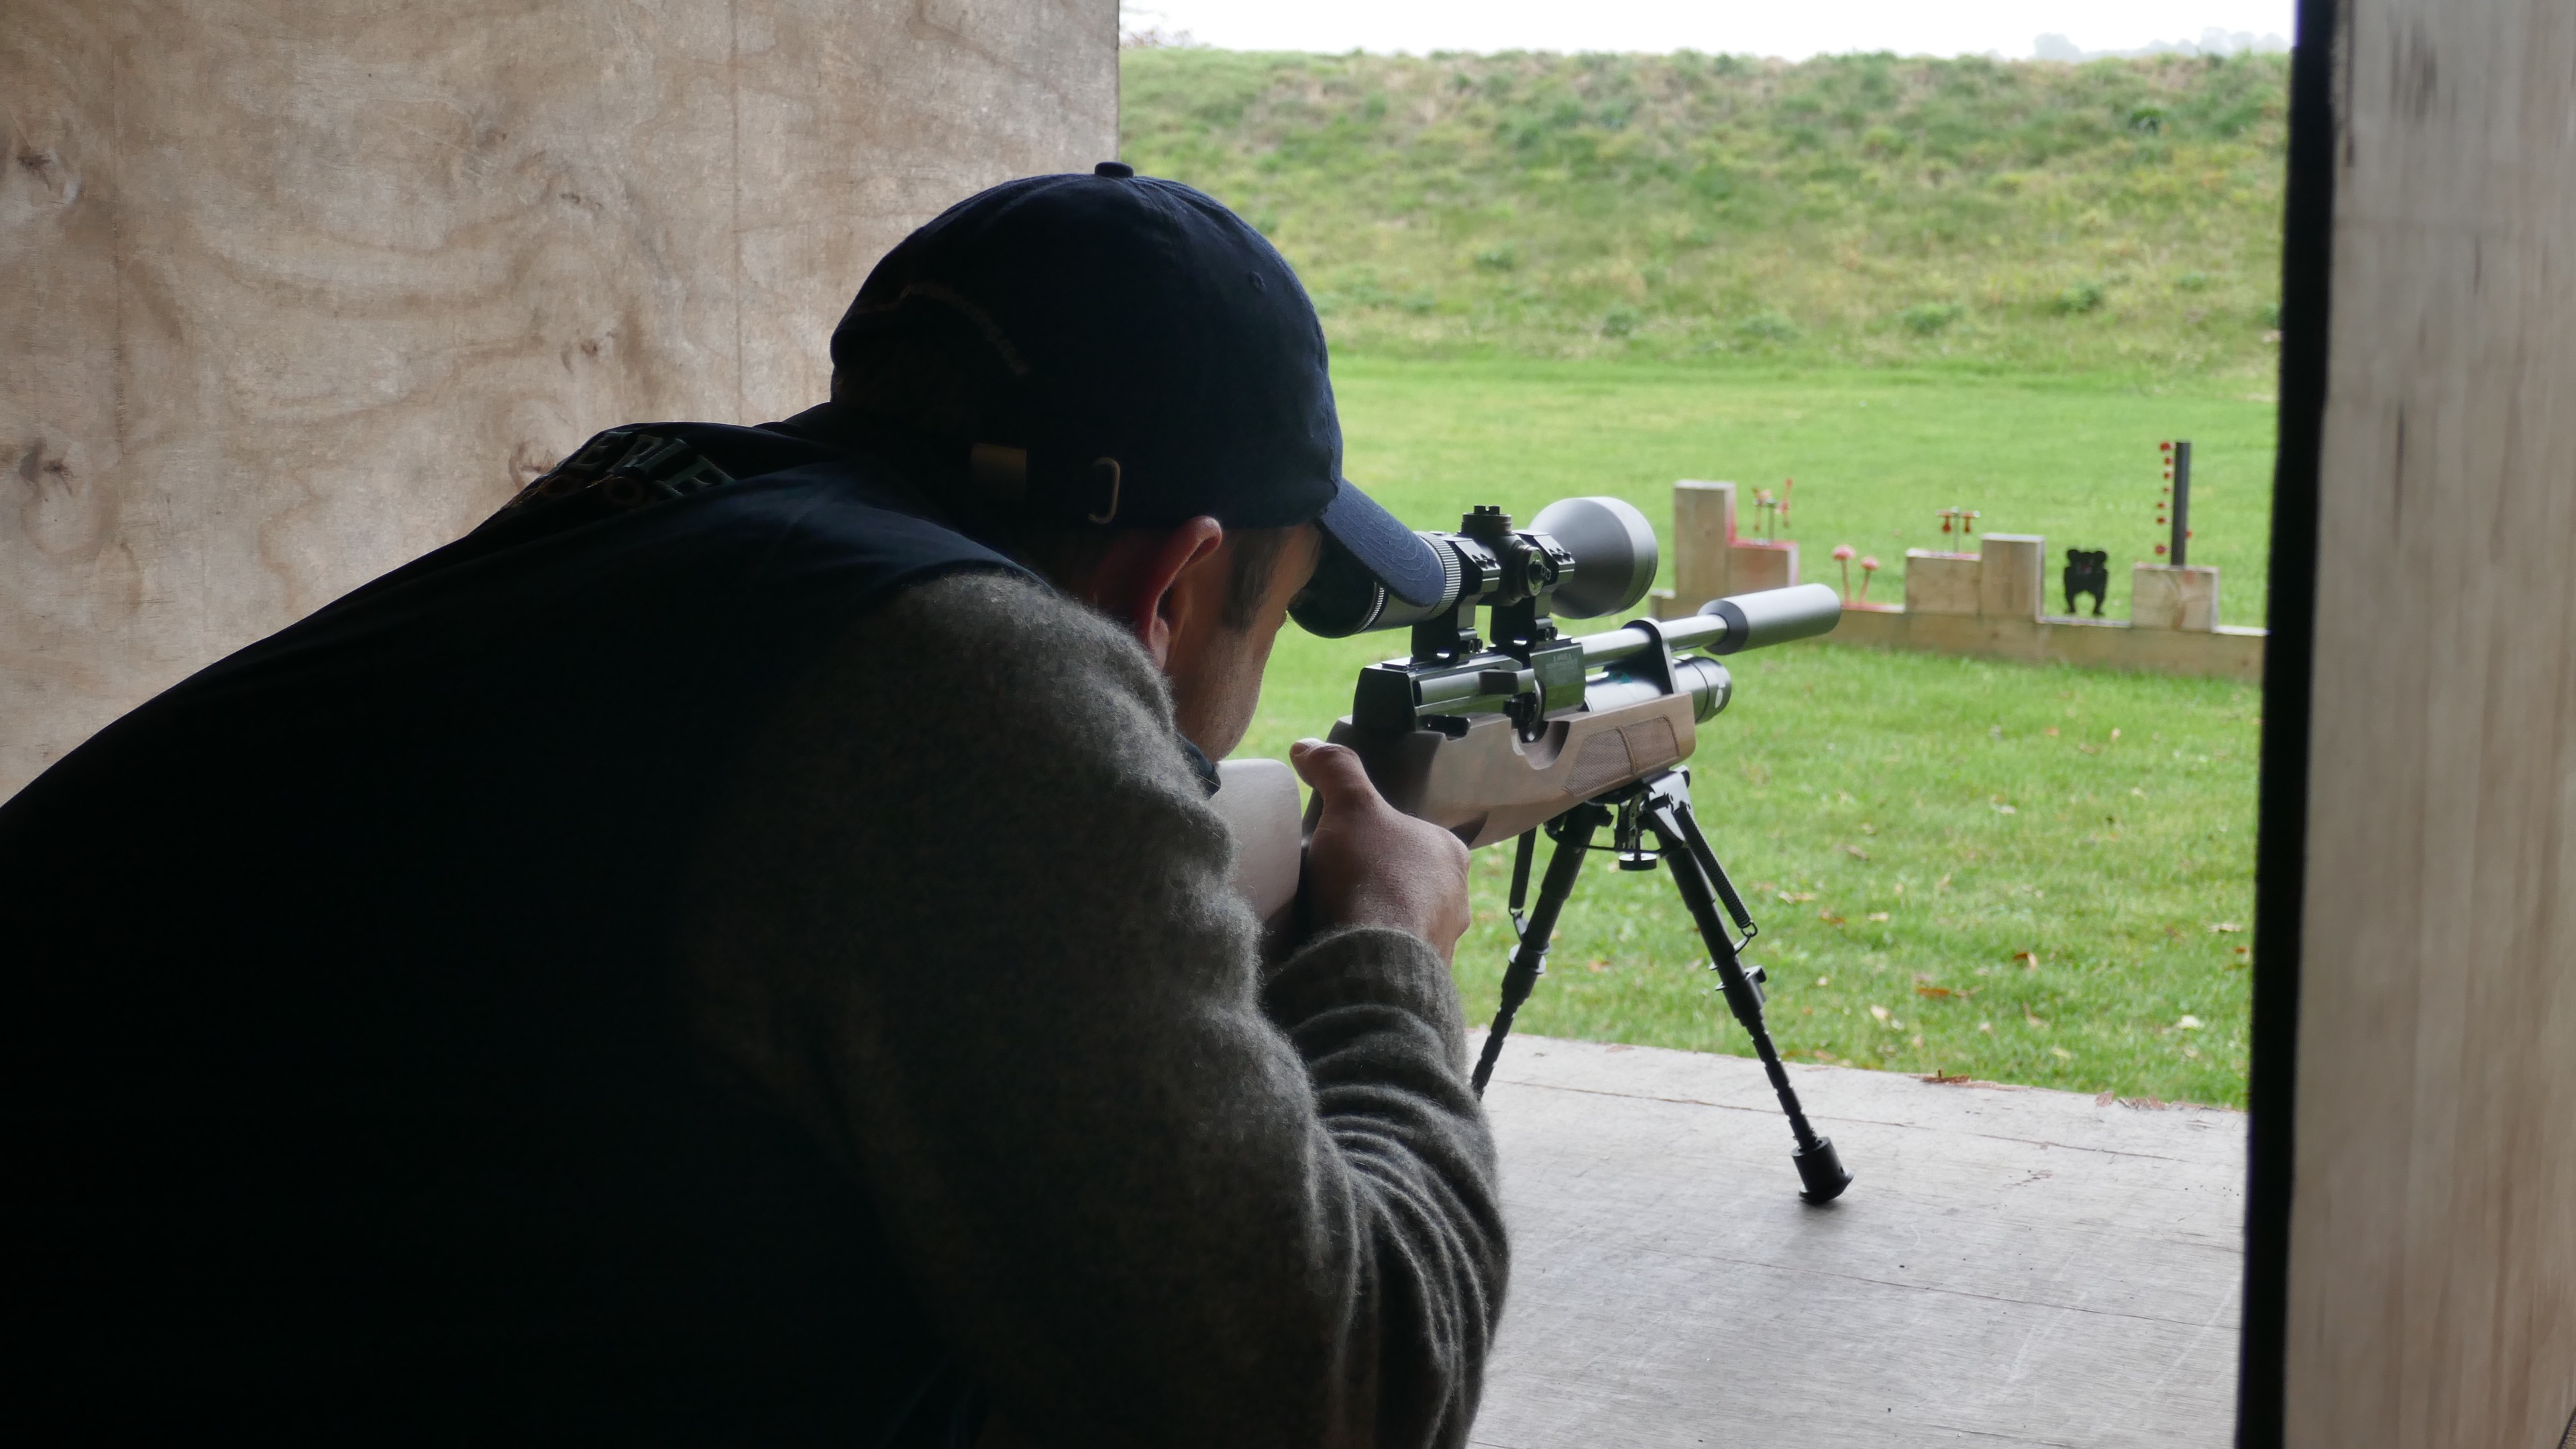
[1155,358]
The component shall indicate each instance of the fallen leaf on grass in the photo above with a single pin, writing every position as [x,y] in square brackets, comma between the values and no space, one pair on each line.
[1878,915]
[2224,927]
[1829,918]
[2188,1023]
[2029,959]
[1794,897]
[2090,749]
[1855,852]
[1934,991]
[2061,1053]
[2034,1023]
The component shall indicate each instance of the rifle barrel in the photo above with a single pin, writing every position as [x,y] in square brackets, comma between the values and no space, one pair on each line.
[1723,626]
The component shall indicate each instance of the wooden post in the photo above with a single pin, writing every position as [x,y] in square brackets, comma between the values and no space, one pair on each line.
[2010,582]
[1703,527]
[2162,596]
[2412,1263]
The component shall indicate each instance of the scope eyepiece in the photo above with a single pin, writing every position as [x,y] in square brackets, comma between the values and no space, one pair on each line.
[1580,557]
[1344,598]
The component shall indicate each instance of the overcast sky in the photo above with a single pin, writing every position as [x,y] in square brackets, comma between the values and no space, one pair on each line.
[1793,29]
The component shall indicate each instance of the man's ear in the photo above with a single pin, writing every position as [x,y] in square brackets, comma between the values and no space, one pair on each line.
[1153,605]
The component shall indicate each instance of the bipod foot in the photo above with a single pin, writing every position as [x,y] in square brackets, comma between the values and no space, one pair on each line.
[1703,883]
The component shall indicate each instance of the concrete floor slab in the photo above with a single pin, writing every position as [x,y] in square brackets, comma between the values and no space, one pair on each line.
[2010,1265]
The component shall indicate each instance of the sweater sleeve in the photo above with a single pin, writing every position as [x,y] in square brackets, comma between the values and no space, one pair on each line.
[966,916]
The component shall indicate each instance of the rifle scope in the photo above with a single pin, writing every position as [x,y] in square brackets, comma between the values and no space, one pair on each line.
[1580,558]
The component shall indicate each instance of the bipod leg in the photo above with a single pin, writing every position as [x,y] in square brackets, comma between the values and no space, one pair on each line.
[1573,831]
[1698,877]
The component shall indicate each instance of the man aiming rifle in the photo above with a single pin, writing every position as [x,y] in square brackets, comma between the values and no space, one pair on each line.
[738,949]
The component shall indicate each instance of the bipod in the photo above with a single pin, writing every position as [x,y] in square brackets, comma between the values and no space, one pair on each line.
[1659,805]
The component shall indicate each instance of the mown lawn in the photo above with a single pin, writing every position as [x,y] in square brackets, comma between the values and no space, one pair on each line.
[1969,848]
[1875,452]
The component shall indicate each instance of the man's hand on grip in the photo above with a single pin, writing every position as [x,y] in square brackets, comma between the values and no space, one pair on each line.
[1370,864]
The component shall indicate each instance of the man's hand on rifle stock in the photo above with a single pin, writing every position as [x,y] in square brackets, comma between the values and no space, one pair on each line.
[1370,864]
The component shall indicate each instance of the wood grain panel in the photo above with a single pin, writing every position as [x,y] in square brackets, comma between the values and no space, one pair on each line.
[302,288]
[2432,1266]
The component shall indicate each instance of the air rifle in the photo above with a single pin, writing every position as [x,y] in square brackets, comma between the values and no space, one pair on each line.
[1498,735]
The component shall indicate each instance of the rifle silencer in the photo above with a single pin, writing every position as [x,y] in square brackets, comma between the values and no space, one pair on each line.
[1773,616]
[1723,626]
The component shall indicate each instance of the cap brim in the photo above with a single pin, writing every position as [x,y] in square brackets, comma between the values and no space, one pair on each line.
[1398,557]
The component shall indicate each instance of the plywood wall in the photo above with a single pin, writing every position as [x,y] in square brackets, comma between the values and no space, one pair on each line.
[299,289]
[2432,1263]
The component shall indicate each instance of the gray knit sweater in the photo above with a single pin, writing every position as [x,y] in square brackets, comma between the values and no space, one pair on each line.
[967,918]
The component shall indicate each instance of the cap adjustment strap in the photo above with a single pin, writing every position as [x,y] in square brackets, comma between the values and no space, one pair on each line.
[1115,475]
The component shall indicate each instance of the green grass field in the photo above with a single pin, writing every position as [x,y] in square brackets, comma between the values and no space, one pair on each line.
[2052,896]
[1876,453]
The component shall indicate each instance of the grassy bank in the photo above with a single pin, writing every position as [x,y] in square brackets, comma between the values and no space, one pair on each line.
[2119,215]
[2049,892]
